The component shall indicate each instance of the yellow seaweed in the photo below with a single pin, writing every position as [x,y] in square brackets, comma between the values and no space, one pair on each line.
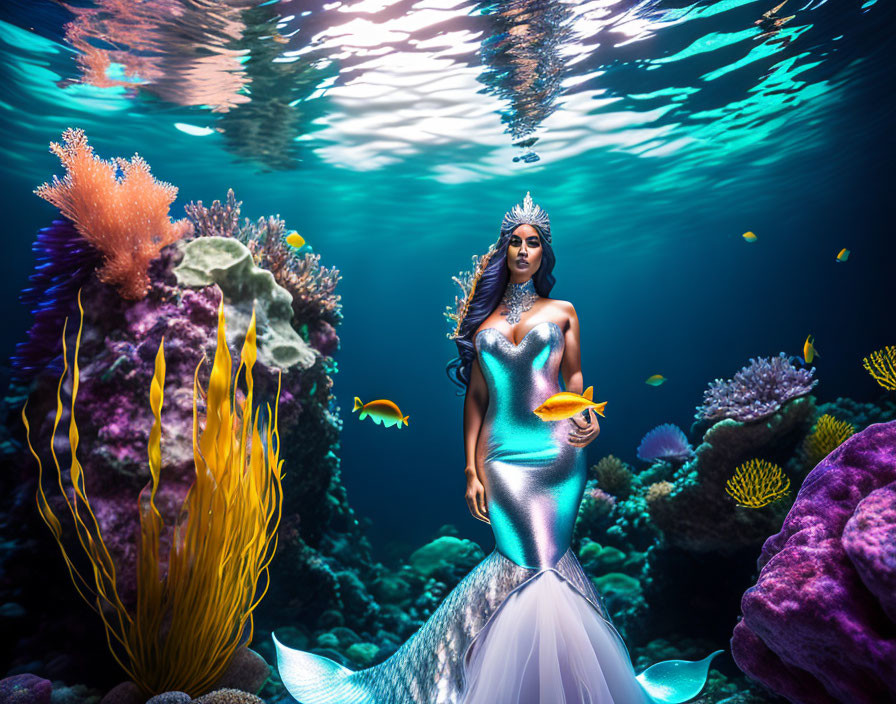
[757,483]
[881,365]
[829,433]
[187,624]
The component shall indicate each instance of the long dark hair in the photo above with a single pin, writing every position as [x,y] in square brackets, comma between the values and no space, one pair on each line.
[488,293]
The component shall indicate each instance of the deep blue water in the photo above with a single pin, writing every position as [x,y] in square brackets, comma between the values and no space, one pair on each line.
[665,131]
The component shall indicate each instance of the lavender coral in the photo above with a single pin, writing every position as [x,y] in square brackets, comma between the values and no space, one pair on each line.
[756,391]
[218,220]
[665,442]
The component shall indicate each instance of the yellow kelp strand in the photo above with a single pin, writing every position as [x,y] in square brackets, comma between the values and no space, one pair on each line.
[188,623]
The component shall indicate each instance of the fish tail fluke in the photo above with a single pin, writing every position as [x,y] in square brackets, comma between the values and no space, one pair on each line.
[358,404]
[676,681]
[405,420]
[599,409]
[589,393]
[314,679]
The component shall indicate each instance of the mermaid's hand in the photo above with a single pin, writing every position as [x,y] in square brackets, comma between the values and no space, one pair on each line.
[476,498]
[585,431]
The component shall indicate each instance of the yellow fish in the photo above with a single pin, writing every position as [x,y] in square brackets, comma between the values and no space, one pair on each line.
[843,255]
[749,237]
[655,380]
[809,351]
[294,239]
[382,411]
[566,404]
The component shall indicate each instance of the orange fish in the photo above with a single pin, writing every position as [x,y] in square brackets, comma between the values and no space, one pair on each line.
[566,404]
[382,411]
[749,237]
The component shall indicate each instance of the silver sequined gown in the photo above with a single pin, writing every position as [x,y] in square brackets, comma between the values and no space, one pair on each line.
[526,625]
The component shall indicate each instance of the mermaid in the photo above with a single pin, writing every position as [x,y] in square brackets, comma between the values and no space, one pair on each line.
[525,625]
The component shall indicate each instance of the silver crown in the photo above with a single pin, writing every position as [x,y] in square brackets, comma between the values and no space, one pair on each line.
[527,213]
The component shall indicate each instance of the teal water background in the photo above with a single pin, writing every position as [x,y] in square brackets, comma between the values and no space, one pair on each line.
[671,131]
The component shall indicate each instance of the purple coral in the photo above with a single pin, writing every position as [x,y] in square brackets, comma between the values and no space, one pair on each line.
[65,262]
[665,442]
[817,625]
[756,391]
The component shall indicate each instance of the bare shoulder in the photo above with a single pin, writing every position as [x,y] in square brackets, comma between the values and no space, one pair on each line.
[561,311]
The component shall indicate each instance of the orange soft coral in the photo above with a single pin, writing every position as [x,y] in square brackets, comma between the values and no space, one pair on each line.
[125,216]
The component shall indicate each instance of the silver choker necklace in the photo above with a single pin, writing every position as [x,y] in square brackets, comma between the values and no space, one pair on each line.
[518,298]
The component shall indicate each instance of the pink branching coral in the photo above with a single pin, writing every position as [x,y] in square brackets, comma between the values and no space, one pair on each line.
[118,207]
[313,287]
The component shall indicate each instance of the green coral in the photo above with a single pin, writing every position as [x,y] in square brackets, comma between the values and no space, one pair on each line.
[614,476]
[363,653]
[443,552]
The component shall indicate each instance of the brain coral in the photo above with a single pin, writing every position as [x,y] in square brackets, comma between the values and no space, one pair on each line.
[818,625]
[756,391]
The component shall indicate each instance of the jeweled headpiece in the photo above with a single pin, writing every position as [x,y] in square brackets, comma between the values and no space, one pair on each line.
[527,213]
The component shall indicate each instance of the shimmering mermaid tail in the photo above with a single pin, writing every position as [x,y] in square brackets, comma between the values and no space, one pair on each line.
[498,606]
[676,681]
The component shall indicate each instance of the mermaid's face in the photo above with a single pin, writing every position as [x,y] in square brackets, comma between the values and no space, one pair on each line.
[523,253]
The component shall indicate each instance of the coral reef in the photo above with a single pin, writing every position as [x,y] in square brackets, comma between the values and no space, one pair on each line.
[123,216]
[665,442]
[757,483]
[312,286]
[613,476]
[881,365]
[756,391]
[828,434]
[223,540]
[65,261]
[860,415]
[818,624]
[248,290]
[320,536]
[595,513]
[698,514]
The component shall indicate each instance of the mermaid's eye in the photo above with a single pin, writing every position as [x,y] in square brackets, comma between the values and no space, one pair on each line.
[534,241]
